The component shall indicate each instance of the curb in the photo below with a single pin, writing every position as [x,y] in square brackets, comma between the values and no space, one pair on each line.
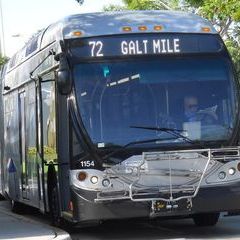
[59,233]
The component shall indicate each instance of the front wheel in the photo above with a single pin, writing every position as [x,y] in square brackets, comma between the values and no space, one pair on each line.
[206,219]
[17,207]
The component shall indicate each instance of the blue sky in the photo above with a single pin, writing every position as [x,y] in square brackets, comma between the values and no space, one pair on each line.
[24,17]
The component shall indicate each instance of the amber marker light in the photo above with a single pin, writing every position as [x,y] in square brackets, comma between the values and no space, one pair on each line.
[82,176]
[158,28]
[77,33]
[206,29]
[142,28]
[127,29]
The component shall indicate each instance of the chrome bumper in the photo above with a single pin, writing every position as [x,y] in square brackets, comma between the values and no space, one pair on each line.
[168,176]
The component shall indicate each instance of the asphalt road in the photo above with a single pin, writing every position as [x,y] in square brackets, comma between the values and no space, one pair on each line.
[227,228]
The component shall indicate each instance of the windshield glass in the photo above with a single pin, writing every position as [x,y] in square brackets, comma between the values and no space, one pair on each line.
[192,94]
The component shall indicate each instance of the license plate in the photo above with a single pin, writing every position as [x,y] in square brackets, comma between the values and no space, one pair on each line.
[162,206]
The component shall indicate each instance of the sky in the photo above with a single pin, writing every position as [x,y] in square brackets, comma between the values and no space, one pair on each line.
[22,18]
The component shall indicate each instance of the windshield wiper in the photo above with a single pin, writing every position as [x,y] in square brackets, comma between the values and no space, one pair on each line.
[135,143]
[172,131]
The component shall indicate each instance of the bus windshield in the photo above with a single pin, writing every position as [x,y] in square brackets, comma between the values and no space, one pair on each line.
[192,94]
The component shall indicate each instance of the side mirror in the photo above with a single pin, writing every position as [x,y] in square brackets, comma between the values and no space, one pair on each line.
[64,79]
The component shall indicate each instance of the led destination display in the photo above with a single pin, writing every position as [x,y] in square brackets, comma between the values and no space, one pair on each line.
[147,44]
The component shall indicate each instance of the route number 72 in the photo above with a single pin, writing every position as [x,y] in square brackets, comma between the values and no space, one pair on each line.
[96,48]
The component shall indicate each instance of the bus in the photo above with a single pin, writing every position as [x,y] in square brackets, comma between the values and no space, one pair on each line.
[119,115]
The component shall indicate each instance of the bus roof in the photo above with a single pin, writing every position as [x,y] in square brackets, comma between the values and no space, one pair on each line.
[109,23]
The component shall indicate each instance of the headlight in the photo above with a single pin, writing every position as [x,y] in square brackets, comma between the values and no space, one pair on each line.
[106,182]
[231,171]
[222,175]
[94,180]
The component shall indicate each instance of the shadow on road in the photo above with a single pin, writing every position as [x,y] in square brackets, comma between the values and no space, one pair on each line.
[158,229]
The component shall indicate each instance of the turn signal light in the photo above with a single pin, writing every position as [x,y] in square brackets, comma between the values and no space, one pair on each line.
[238,167]
[82,176]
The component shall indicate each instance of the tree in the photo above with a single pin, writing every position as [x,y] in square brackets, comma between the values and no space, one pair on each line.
[80,1]
[145,5]
[226,16]
[3,60]
[113,7]
[220,13]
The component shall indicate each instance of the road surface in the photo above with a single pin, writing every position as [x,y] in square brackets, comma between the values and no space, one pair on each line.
[227,228]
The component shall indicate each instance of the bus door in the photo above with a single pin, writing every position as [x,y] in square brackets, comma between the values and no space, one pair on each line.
[47,127]
[22,138]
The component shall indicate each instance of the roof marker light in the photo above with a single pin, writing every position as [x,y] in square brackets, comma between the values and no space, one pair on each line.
[77,33]
[158,28]
[142,28]
[206,29]
[127,29]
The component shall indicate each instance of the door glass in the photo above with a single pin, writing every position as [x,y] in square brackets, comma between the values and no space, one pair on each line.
[49,120]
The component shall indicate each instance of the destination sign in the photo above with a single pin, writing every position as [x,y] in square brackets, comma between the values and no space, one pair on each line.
[139,47]
[151,44]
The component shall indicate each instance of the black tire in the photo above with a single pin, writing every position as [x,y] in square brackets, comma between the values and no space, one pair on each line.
[54,206]
[17,207]
[206,219]
[2,198]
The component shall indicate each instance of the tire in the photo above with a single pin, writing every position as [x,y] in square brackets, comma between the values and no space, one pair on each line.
[17,207]
[2,198]
[54,206]
[206,219]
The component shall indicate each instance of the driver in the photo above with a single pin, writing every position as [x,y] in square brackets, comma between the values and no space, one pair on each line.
[192,112]
[190,109]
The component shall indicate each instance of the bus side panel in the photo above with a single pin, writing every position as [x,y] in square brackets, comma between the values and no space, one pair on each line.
[11,157]
[1,132]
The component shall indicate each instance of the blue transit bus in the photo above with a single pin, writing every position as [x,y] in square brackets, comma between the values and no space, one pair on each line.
[122,115]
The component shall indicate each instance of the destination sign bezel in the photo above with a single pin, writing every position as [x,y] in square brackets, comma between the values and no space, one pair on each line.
[144,44]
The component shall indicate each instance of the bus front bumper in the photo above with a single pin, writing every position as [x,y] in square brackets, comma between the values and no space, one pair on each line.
[209,199]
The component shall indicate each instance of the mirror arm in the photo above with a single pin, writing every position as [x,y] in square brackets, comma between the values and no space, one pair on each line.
[51,53]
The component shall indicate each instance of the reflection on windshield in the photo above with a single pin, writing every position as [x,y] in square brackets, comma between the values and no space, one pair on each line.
[192,94]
